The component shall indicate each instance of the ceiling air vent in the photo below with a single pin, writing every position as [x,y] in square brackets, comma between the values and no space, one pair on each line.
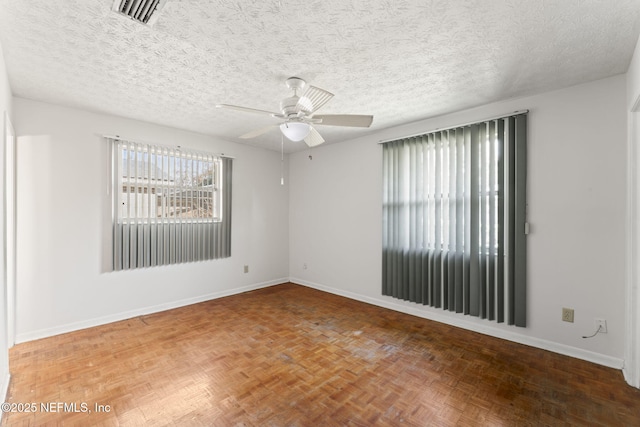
[143,11]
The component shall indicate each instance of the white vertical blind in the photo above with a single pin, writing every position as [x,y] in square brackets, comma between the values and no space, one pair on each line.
[453,222]
[170,205]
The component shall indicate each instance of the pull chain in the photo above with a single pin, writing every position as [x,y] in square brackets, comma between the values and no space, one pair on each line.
[281,159]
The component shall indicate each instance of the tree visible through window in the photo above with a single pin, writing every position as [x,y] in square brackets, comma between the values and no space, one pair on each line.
[163,184]
[170,205]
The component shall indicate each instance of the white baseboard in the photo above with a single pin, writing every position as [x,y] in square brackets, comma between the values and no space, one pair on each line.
[578,353]
[566,350]
[4,389]
[70,327]
[632,378]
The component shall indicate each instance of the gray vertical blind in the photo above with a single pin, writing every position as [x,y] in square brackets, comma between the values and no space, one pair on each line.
[454,215]
[170,205]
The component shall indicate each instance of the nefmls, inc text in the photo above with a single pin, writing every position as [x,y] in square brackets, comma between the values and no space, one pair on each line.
[49,407]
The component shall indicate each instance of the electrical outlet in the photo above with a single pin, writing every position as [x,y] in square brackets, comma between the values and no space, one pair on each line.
[567,315]
[304,266]
[601,325]
[246,268]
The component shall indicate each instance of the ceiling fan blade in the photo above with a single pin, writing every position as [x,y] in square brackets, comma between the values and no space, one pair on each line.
[312,99]
[314,138]
[353,120]
[247,110]
[257,132]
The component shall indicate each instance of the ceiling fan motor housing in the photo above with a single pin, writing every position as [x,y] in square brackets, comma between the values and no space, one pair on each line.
[288,106]
[294,105]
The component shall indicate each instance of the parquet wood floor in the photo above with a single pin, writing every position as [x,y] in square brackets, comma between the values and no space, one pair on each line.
[293,356]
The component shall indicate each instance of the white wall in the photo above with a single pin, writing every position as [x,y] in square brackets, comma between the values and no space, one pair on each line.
[5,106]
[632,347]
[329,219]
[63,214]
[577,190]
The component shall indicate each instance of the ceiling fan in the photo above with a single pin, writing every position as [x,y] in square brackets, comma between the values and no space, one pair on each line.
[298,114]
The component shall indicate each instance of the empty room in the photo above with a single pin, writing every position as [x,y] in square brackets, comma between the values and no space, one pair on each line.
[336,213]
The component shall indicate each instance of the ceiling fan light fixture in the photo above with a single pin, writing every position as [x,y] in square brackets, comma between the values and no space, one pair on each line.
[298,113]
[295,131]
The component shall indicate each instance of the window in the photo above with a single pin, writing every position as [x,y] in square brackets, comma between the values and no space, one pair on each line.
[454,219]
[169,205]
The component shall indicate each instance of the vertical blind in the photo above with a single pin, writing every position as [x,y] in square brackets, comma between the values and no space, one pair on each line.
[170,205]
[454,218]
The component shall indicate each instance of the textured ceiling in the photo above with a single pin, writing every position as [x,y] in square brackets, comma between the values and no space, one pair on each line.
[400,60]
